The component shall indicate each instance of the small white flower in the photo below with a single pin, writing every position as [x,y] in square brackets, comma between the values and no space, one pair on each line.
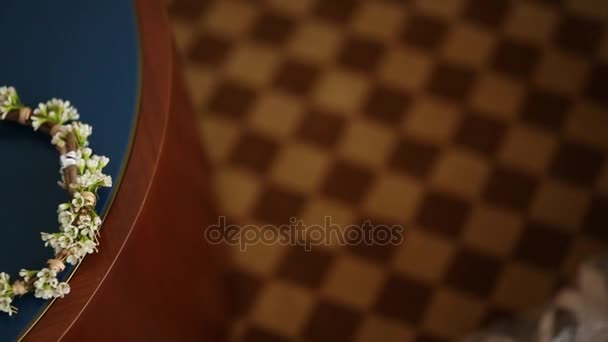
[9,100]
[70,233]
[78,201]
[82,132]
[103,162]
[72,260]
[47,286]
[63,289]
[93,164]
[6,305]
[86,153]
[84,220]
[55,111]
[91,181]
[66,218]
[63,207]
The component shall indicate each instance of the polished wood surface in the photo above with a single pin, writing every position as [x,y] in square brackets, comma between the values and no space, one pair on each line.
[154,279]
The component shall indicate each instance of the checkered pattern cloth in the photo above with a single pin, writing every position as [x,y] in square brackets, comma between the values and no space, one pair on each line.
[481,126]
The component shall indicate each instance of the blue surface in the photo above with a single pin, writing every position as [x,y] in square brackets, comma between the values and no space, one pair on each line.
[84,51]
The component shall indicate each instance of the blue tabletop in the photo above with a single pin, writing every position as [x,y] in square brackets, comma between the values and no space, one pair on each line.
[84,51]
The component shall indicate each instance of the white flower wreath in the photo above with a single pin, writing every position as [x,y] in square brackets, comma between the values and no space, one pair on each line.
[81,175]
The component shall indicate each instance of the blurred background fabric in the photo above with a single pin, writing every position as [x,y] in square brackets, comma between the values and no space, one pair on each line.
[480,126]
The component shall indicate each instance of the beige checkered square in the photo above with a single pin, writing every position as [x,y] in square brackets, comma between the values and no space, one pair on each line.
[220,135]
[259,259]
[276,114]
[493,230]
[460,172]
[200,82]
[523,287]
[353,281]
[341,91]
[376,328]
[451,314]
[367,143]
[377,19]
[380,201]
[182,35]
[315,41]
[283,308]
[468,45]
[252,64]
[432,120]
[497,96]
[318,208]
[560,205]
[237,191]
[532,21]
[300,167]
[319,211]
[528,148]
[561,72]
[405,68]
[231,18]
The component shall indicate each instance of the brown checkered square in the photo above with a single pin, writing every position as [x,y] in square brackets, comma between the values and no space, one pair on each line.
[403,299]
[343,321]
[543,246]
[577,163]
[451,81]
[210,50]
[231,99]
[443,212]
[490,13]
[272,28]
[386,104]
[596,84]
[481,134]
[316,264]
[578,34]
[254,152]
[473,272]
[277,206]
[545,109]
[515,59]
[360,54]
[296,77]
[478,126]
[424,31]
[413,157]
[337,11]
[321,128]
[595,218]
[510,188]
[347,181]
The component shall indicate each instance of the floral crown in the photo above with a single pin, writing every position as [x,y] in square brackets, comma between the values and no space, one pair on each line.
[81,176]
